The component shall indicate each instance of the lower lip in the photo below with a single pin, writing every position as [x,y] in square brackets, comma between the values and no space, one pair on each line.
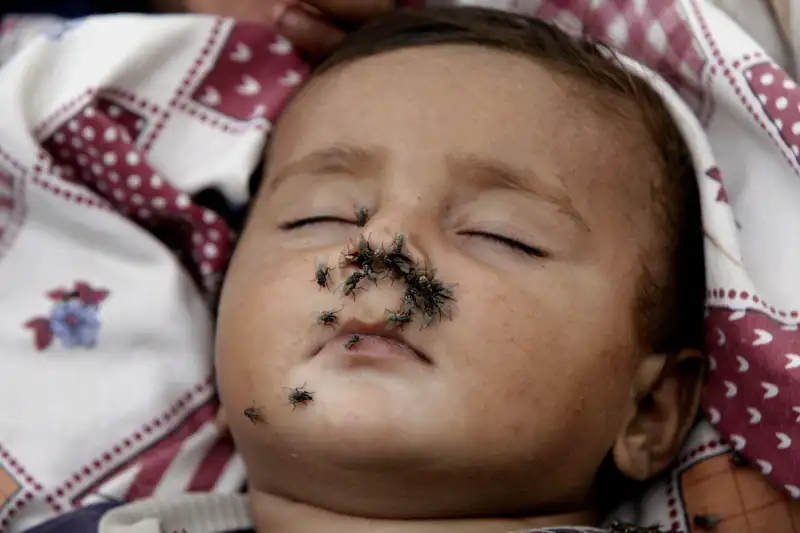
[369,347]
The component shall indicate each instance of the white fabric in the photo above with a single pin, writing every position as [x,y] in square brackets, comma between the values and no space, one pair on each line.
[198,513]
[106,263]
[108,125]
[787,13]
[755,17]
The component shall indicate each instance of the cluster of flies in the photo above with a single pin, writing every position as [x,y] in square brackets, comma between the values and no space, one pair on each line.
[426,297]
[703,522]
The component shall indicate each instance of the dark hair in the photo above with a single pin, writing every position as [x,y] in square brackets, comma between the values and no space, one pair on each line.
[669,310]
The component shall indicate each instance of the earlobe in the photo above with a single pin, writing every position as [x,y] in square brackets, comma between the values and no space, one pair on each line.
[668,397]
[631,457]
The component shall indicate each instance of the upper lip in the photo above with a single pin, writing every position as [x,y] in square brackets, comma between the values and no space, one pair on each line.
[356,327]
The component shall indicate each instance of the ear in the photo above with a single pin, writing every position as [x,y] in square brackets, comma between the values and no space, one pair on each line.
[667,399]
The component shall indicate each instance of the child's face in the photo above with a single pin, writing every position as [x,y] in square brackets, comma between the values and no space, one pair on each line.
[532,380]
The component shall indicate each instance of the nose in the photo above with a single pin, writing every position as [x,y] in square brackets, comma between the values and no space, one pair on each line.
[401,232]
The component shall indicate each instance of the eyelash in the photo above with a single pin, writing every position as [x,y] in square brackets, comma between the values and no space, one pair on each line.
[512,244]
[297,224]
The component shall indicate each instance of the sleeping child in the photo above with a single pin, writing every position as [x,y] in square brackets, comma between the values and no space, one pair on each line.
[468,296]
[470,293]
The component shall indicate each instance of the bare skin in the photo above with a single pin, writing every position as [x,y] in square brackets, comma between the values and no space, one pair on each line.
[537,377]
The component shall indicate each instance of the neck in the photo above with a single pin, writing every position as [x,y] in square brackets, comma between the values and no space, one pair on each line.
[273,514]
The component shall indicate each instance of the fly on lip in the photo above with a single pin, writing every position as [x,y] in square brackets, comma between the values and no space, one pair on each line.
[354,331]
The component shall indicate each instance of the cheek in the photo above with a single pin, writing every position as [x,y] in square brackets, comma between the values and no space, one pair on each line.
[534,364]
[260,316]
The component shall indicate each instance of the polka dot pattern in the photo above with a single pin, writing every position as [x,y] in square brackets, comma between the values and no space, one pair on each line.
[111,148]
[780,98]
[103,146]
[106,155]
[96,148]
[654,32]
[750,349]
[123,111]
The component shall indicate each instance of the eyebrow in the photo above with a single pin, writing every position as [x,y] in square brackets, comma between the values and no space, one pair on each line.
[337,159]
[488,173]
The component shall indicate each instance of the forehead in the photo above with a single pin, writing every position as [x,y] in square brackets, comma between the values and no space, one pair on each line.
[477,92]
[438,100]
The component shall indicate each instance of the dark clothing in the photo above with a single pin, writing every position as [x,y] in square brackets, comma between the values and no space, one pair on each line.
[84,520]
[72,8]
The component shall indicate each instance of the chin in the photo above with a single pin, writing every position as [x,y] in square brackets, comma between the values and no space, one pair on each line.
[367,437]
[386,481]
[354,434]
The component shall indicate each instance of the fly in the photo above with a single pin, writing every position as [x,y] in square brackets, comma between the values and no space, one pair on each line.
[351,342]
[322,276]
[329,318]
[362,217]
[254,414]
[300,395]
[398,319]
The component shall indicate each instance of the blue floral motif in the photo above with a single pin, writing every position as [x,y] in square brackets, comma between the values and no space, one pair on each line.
[75,323]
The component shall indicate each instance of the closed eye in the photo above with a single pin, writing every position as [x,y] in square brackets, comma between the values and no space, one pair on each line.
[296,224]
[512,244]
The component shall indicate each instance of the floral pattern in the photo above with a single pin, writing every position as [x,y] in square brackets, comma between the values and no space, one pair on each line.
[74,319]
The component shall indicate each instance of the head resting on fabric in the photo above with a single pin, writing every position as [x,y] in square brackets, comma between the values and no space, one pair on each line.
[551,185]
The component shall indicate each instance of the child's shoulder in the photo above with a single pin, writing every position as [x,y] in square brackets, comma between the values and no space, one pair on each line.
[221,514]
